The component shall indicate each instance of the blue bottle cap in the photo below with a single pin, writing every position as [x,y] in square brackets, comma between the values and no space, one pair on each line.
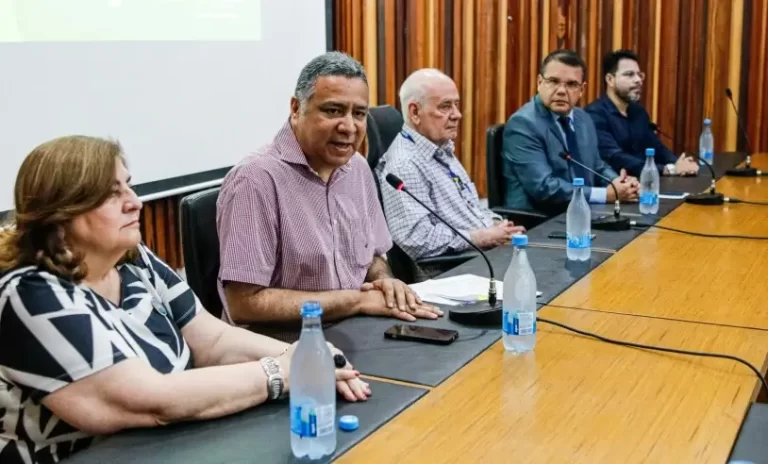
[707,122]
[349,423]
[578,182]
[520,240]
[650,152]
[311,309]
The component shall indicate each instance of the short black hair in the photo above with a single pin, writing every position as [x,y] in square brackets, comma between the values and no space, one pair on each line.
[568,58]
[611,61]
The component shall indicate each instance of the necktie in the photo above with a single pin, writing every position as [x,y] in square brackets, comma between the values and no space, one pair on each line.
[573,150]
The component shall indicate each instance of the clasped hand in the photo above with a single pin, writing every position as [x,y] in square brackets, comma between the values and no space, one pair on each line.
[392,297]
[348,381]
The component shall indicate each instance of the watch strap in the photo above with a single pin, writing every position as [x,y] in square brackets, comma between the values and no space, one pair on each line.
[275,381]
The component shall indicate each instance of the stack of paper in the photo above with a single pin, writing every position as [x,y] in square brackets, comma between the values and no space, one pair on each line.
[457,290]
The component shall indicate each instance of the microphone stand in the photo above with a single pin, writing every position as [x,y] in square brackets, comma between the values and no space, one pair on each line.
[490,315]
[610,223]
[747,170]
[711,197]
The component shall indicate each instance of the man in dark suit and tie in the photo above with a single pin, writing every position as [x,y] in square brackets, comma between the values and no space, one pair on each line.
[537,178]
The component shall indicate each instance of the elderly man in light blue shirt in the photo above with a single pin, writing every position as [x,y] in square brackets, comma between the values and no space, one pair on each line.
[423,156]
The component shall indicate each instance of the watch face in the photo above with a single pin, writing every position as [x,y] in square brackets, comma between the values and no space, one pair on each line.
[272,367]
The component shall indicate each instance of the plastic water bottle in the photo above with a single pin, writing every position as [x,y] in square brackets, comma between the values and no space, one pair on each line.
[313,390]
[707,143]
[578,225]
[649,184]
[518,322]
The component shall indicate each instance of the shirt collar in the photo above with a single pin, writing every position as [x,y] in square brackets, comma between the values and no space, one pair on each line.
[423,146]
[290,151]
[556,116]
[612,108]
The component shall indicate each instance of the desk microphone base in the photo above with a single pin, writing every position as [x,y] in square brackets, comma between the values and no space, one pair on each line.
[709,198]
[480,314]
[742,172]
[611,223]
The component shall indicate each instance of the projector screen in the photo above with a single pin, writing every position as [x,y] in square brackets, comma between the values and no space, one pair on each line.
[186,86]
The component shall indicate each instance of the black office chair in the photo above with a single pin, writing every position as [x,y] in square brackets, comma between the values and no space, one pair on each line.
[384,124]
[200,246]
[494,140]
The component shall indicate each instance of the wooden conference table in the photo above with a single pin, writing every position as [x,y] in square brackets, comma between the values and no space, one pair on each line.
[576,399]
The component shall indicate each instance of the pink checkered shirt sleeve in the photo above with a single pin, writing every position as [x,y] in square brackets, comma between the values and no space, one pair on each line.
[381,238]
[248,228]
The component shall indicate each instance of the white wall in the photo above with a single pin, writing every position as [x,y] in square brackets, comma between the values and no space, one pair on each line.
[178,107]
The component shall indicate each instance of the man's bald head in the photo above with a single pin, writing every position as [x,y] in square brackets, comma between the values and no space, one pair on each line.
[430,103]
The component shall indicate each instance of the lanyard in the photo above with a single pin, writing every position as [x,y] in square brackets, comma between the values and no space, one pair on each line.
[454,177]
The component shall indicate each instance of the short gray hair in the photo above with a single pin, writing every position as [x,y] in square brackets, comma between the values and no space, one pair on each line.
[327,64]
[415,86]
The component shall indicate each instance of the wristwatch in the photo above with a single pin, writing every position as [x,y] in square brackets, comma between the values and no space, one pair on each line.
[671,169]
[275,383]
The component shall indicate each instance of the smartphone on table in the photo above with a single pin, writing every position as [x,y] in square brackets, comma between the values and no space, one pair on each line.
[418,333]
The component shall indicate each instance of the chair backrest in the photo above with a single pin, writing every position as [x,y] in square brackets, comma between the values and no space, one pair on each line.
[200,246]
[494,139]
[384,123]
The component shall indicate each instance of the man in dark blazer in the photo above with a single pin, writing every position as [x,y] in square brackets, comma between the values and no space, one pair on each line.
[624,128]
[537,178]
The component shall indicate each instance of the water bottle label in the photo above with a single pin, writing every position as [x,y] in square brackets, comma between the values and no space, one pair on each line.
[707,155]
[312,422]
[520,323]
[649,198]
[579,241]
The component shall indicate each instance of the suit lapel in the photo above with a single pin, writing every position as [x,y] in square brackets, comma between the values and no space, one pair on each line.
[581,138]
[546,117]
[584,152]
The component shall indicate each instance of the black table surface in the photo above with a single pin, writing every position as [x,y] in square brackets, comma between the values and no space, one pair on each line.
[616,240]
[362,338]
[260,434]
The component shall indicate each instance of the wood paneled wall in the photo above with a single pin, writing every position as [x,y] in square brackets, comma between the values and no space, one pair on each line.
[691,51]
[160,229]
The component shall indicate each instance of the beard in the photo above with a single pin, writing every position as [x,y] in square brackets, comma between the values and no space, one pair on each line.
[629,95]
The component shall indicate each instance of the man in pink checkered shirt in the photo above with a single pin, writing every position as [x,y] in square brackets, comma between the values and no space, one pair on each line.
[300,219]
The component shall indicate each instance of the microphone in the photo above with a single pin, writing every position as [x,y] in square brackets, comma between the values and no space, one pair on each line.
[490,315]
[615,222]
[710,197]
[655,127]
[747,170]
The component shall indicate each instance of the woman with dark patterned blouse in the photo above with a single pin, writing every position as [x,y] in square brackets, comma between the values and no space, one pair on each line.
[96,333]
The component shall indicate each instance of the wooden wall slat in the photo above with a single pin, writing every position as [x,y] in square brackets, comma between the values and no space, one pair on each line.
[147,221]
[757,103]
[762,141]
[390,60]
[161,235]
[467,19]
[735,53]
[173,245]
[652,71]
[370,49]
[717,67]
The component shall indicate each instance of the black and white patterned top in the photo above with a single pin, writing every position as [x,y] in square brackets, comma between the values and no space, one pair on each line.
[53,333]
